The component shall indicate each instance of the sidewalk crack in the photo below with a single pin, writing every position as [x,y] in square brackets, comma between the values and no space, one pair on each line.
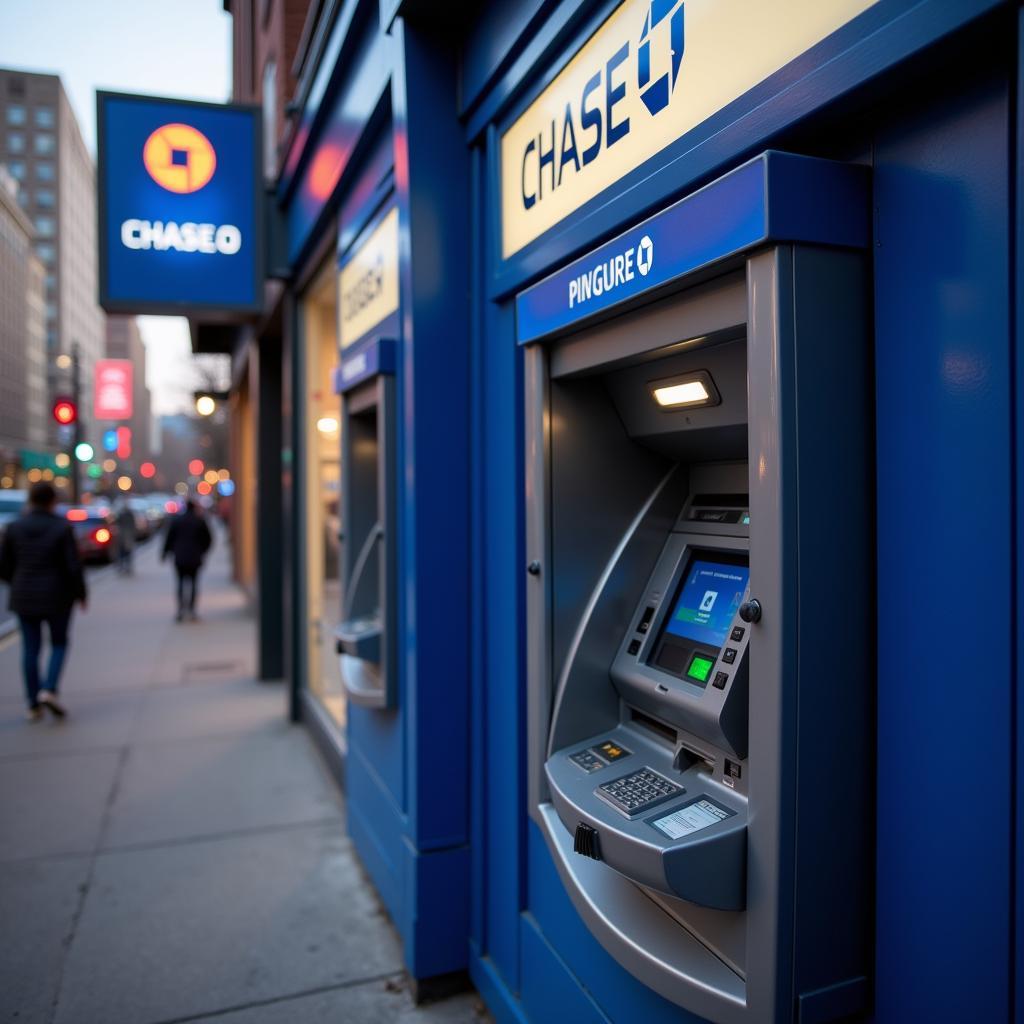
[86,886]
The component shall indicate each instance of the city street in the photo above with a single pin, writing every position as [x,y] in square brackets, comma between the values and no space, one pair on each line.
[174,851]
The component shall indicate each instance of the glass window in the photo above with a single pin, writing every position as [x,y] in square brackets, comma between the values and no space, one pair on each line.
[15,114]
[17,169]
[45,198]
[44,144]
[45,226]
[51,282]
[44,117]
[44,251]
[45,171]
[51,311]
[16,142]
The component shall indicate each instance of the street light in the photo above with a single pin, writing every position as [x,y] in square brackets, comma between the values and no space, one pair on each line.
[206,401]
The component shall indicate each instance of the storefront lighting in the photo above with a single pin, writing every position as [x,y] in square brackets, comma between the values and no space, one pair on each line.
[206,405]
[7,481]
[62,459]
[689,391]
[63,361]
[203,488]
[223,474]
[211,476]
[181,488]
[327,425]
[109,465]
[124,483]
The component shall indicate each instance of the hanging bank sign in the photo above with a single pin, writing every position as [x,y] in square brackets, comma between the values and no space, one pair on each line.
[180,223]
[652,72]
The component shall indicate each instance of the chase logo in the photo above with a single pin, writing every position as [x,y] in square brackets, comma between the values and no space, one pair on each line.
[656,94]
[606,109]
[179,158]
[645,255]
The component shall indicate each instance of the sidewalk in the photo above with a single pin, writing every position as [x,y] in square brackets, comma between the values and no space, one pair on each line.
[175,851]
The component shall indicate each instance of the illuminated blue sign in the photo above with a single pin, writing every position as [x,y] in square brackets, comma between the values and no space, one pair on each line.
[180,190]
[774,197]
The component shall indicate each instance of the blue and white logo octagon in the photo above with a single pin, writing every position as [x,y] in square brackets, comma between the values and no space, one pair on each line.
[645,255]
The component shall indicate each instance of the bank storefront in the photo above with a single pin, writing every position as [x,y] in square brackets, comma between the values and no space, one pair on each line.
[370,205]
[646,388]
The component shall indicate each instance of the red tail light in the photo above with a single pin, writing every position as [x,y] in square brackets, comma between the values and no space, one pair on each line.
[102,535]
[77,515]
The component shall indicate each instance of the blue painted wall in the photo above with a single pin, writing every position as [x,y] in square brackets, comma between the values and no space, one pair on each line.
[945,558]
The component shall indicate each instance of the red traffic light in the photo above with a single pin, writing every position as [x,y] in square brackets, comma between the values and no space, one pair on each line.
[65,411]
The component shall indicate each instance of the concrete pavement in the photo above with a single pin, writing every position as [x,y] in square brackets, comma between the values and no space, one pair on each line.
[174,851]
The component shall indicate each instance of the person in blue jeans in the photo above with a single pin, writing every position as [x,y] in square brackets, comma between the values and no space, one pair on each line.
[39,559]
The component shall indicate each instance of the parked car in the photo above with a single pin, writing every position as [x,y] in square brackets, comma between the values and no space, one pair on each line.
[95,529]
[12,504]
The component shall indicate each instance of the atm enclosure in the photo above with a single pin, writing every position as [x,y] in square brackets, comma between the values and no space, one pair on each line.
[699,630]
[366,635]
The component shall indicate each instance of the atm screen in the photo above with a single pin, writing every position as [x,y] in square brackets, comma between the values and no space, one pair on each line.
[707,601]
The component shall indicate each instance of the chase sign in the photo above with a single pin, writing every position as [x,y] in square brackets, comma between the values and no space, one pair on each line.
[180,224]
[655,70]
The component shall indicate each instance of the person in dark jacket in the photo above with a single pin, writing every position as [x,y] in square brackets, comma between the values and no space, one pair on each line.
[188,540]
[39,559]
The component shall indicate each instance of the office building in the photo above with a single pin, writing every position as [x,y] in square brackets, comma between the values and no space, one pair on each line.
[23,402]
[42,146]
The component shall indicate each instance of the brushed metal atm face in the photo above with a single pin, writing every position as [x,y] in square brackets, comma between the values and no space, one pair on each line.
[697,718]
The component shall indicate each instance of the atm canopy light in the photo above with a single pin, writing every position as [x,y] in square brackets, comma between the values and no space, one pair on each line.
[688,391]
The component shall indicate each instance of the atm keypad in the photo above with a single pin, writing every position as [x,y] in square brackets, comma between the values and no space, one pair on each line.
[634,793]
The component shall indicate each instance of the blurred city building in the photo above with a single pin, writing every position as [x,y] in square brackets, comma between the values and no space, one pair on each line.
[125,342]
[42,146]
[23,404]
[271,50]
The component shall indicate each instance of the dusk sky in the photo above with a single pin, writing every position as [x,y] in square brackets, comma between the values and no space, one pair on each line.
[173,49]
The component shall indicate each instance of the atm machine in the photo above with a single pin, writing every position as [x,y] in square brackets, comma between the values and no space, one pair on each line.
[365,638]
[700,631]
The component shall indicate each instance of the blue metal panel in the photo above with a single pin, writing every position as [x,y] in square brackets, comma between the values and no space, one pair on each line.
[491,39]
[502,531]
[945,558]
[619,995]
[776,197]
[1018,665]
[371,356]
[434,385]
[342,131]
[872,43]
[550,992]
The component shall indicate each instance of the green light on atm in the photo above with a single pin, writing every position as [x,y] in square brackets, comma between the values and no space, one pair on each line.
[699,668]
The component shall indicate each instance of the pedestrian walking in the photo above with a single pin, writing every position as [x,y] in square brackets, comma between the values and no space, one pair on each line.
[188,540]
[125,538]
[39,559]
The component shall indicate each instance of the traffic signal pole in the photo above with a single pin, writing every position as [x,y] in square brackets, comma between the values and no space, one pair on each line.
[76,434]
